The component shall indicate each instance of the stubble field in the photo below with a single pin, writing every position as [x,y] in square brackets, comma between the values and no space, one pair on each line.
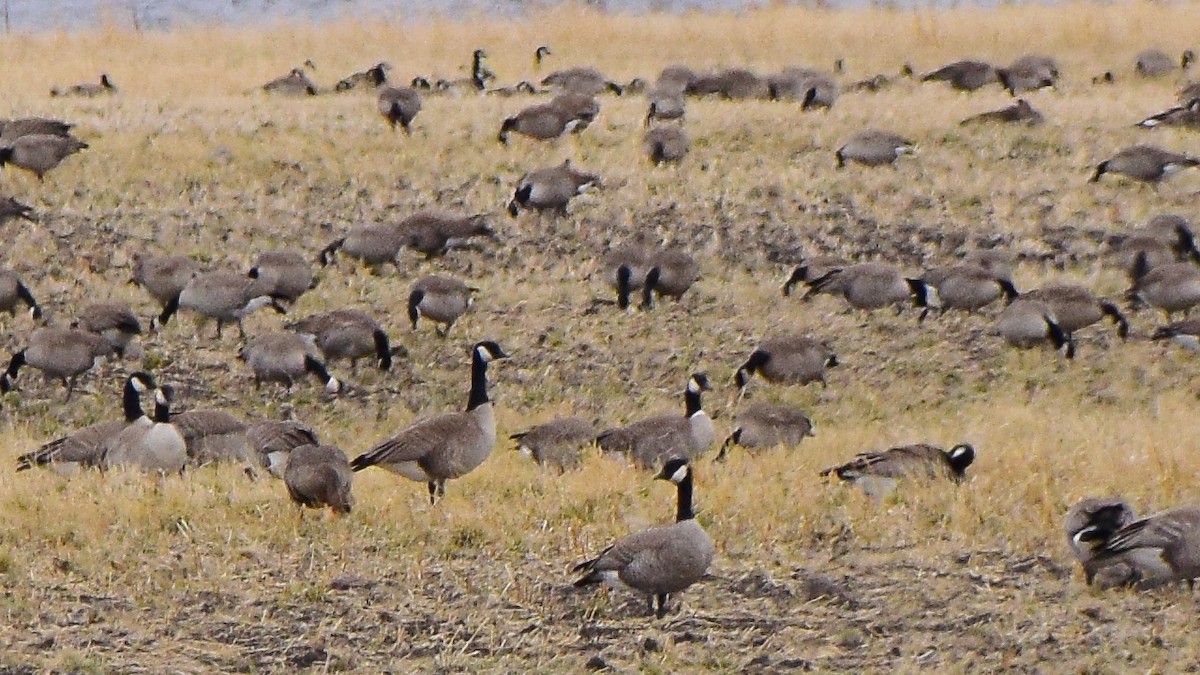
[215,572]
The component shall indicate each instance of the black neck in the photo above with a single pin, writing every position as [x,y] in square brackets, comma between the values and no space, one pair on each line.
[132,402]
[162,411]
[648,288]
[624,283]
[692,400]
[383,349]
[479,393]
[14,366]
[683,509]
[317,368]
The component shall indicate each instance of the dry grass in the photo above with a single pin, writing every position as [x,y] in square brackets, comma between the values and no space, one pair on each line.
[215,572]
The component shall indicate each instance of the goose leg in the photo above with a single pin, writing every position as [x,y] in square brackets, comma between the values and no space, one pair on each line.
[661,600]
[432,492]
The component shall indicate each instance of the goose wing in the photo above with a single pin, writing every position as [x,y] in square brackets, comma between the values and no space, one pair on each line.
[415,442]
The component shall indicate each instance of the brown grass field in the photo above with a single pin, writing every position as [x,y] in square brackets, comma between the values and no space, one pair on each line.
[213,572]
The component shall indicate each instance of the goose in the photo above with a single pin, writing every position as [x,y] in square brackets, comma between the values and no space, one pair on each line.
[583,107]
[813,268]
[11,209]
[967,75]
[1186,116]
[399,105]
[1089,523]
[811,87]
[436,232]
[1028,323]
[374,245]
[222,295]
[551,188]
[1161,548]
[39,153]
[349,334]
[996,261]
[873,286]
[734,84]
[1186,333]
[1075,307]
[666,144]
[675,78]
[787,359]
[163,277]
[1146,163]
[766,425]
[295,83]
[114,321]
[13,129]
[873,147]
[14,290]
[152,443]
[440,299]
[284,357]
[662,560]
[581,80]
[653,440]
[558,443]
[547,121]
[477,81]
[625,268]
[878,472]
[213,436]
[59,353]
[968,288]
[319,476]
[1147,249]
[1018,113]
[666,105]
[540,55]
[274,441]
[671,273]
[1157,63]
[441,448]
[522,87]
[1028,73]
[84,448]
[1172,288]
[87,89]
[283,275]
[370,78]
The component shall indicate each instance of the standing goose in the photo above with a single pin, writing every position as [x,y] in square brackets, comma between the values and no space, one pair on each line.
[441,448]
[435,232]
[550,188]
[39,153]
[1157,63]
[878,472]
[662,560]
[1075,307]
[11,209]
[275,440]
[59,353]
[84,448]
[87,89]
[968,287]
[372,244]
[442,300]
[1171,288]
[874,286]
[672,272]
[349,334]
[163,277]
[1161,548]
[114,321]
[766,425]
[873,147]
[295,83]
[814,268]
[651,441]
[1028,323]
[222,295]
[283,275]
[370,78]
[1186,116]
[1186,333]
[965,75]
[285,357]
[559,442]
[1018,113]
[666,144]
[318,476]
[1146,163]
[399,105]
[14,290]
[11,130]
[788,359]
[152,443]
[1088,524]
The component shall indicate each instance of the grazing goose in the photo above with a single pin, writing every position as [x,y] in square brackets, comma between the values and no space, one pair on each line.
[964,75]
[666,144]
[1186,333]
[811,87]
[435,232]
[814,268]
[651,441]
[1161,548]
[1146,163]
[152,444]
[547,121]
[1028,73]
[437,449]
[319,476]
[283,275]
[275,440]
[59,353]
[1186,116]
[671,273]
[442,300]
[349,334]
[1157,63]
[551,188]
[1028,323]
[14,290]
[370,78]
[84,448]
[295,83]
[11,209]
[968,287]
[87,89]
[1075,307]
[873,147]
[10,130]
[766,425]
[1088,524]
[163,277]
[1018,113]
[665,105]
[213,436]
[39,153]
[222,295]
[581,80]
[1171,288]
[873,286]
[114,321]
[662,560]
[734,84]
[558,443]
[878,472]
[788,359]
[374,245]
[399,105]
[285,357]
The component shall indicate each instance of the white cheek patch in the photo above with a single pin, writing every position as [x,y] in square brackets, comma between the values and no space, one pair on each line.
[483,354]
[525,450]
[160,398]
[139,386]
[679,474]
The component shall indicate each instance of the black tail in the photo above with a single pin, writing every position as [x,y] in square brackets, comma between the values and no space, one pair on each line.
[817,285]
[1060,337]
[363,461]
[414,299]
[383,349]
[1009,290]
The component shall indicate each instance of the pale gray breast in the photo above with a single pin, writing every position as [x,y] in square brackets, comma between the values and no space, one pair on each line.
[1023,323]
[681,558]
